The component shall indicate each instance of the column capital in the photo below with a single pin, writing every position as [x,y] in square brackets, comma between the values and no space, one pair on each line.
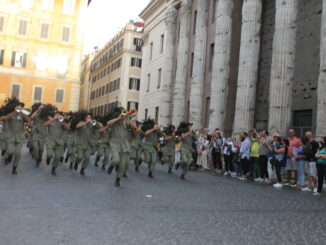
[171,15]
[186,6]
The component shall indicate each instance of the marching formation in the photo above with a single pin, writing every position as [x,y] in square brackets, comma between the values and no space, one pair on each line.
[115,139]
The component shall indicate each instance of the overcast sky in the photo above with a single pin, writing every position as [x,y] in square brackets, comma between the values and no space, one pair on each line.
[105,18]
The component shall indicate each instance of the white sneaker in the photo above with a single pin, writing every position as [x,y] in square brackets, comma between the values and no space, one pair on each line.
[259,179]
[233,174]
[315,190]
[226,173]
[242,178]
[278,185]
[317,194]
[306,189]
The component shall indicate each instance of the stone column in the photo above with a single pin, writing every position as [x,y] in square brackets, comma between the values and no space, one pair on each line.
[181,73]
[282,71]
[166,90]
[221,64]
[321,90]
[248,66]
[197,83]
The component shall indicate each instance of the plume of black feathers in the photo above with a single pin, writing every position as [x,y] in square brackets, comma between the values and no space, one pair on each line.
[169,130]
[183,128]
[10,105]
[48,111]
[77,117]
[147,125]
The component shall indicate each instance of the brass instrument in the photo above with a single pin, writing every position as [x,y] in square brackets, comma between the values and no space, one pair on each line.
[93,122]
[18,109]
[124,112]
[61,119]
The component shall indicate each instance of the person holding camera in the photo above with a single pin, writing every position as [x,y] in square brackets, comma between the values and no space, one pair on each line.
[217,144]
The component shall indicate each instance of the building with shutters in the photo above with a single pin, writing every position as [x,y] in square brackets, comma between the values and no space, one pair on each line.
[115,72]
[41,45]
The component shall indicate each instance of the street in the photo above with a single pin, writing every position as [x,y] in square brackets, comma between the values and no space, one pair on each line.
[39,209]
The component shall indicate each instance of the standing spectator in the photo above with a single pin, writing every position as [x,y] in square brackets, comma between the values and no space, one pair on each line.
[228,156]
[271,155]
[291,163]
[236,157]
[300,160]
[216,144]
[321,166]
[310,150]
[263,156]
[202,150]
[254,157]
[244,155]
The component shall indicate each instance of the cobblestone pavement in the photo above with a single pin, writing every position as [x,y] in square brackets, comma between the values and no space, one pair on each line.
[38,209]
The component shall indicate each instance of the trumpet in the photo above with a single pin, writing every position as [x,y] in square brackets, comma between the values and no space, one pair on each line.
[124,112]
[61,118]
[94,122]
[19,109]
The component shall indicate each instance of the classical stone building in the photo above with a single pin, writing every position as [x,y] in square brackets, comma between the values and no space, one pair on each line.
[235,64]
[113,77]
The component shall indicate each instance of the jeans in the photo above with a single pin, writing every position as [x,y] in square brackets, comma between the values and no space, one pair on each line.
[244,162]
[278,166]
[228,159]
[217,162]
[254,167]
[300,168]
[321,171]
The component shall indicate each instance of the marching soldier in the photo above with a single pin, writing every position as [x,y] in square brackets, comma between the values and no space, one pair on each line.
[104,144]
[169,148]
[136,146]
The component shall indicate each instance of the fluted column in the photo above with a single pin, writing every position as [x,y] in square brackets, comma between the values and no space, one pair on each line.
[166,90]
[248,66]
[181,73]
[282,71]
[321,90]
[221,64]
[197,83]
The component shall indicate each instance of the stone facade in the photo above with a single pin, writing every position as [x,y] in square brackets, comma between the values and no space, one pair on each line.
[257,65]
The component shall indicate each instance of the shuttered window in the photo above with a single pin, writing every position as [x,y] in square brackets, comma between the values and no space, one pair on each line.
[65,34]
[38,94]
[1,56]
[59,96]
[44,30]
[2,23]
[15,90]
[22,27]
[18,59]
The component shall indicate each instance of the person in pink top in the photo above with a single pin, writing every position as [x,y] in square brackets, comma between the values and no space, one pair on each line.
[291,166]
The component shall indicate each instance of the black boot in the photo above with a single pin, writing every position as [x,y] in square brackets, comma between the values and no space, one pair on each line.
[67,158]
[82,172]
[170,171]
[96,160]
[14,171]
[3,152]
[53,171]
[182,177]
[76,165]
[61,159]
[8,160]
[48,161]
[177,166]
[71,166]
[136,169]
[117,182]
[125,175]
[150,174]
[38,161]
[103,167]
[110,169]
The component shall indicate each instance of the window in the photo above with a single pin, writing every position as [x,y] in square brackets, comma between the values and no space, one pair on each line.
[159,78]
[192,64]
[37,94]
[132,105]
[138,42]
[195,23]
[146,114]
[156,114]
[65,34]
[136,62]
[2,23]
[151,51]
[148,82]
[22,27]
[18,59]
[302,122]
[44,30]
[1,56]
[118,83]
[211,56]
[134,83]
[15,90]
[162,44]
[207,111]
[59,96]
[68,6]
[47,5]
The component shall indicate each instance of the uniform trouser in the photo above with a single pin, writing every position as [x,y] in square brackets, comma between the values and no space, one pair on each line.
[3,144]
[14,149]
[54,151]
[169,160]
[185,161]
[119,160]
[104,151]
[136,156]
[150,157]
[38,148]
[72,152]
[83,154]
